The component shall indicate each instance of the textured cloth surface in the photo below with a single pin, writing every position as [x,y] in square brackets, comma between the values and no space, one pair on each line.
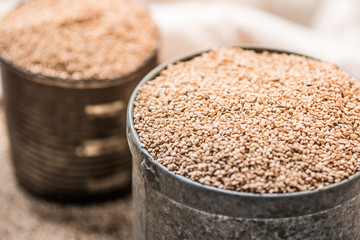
[26,218]
[326,29]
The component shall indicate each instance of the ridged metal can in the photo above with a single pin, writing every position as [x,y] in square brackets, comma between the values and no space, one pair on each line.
[169,206]
[67,137]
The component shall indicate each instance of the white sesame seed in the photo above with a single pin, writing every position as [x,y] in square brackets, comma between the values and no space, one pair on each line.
[255,122]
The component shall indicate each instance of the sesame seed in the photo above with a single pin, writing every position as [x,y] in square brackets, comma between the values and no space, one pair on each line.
[87,39]
[253,122]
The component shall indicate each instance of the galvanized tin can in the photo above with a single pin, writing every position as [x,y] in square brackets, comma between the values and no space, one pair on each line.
[67,137]
[169,206]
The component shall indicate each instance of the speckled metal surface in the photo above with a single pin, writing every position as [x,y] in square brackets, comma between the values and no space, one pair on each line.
[169,206]
[67,137]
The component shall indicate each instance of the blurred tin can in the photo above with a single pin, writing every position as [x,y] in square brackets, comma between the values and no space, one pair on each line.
[67,137]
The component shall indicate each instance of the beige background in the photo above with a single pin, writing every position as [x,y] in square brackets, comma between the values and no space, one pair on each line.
[328,29]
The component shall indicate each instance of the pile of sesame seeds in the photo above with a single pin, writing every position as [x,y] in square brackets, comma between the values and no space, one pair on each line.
[252,122]
[87,39]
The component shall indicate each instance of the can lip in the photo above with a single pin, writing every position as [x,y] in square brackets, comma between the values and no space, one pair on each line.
[135,138]
[81,83]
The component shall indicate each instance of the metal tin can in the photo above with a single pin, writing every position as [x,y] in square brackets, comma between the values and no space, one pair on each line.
[170,206]
[67,137]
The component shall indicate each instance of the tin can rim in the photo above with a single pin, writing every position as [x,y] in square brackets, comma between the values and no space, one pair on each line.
[135,138]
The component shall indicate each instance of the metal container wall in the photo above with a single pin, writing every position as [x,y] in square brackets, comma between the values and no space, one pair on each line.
[68,137]
[169,206]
